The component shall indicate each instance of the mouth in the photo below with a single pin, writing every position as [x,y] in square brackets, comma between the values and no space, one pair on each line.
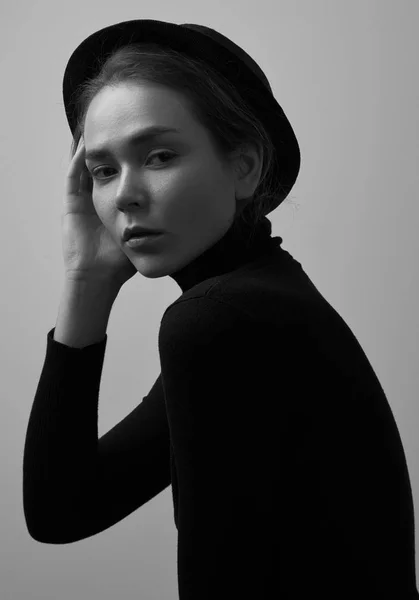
[138,240]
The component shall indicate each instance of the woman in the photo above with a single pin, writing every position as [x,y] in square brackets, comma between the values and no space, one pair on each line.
[288,473]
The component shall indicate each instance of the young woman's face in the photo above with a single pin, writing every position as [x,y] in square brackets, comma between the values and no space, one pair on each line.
[188,193]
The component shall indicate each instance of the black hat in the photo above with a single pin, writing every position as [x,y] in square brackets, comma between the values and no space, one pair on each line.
[202,43]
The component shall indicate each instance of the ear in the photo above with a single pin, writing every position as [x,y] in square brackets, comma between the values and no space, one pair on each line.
[248,169]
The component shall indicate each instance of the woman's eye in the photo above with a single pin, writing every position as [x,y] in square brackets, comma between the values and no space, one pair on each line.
[165,153]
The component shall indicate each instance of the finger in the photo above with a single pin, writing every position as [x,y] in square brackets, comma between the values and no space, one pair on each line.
[75,170]
[86,182]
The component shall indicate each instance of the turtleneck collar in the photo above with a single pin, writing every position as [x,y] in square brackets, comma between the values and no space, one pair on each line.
[239,245]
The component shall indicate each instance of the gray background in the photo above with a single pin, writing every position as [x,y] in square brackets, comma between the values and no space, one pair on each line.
[346,74]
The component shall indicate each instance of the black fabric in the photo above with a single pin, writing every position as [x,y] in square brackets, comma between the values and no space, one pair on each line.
[288,473]
[238,246]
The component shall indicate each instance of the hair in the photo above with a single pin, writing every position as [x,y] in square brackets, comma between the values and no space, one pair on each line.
[212,99]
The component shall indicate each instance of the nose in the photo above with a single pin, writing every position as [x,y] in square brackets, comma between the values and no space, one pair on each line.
[130,190]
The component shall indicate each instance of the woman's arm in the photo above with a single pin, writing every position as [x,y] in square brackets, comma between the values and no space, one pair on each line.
[74,484]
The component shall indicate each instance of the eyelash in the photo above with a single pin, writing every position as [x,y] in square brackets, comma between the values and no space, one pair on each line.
[170,154]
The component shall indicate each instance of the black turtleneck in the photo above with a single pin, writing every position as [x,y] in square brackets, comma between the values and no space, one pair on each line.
[288,474]
[241,244]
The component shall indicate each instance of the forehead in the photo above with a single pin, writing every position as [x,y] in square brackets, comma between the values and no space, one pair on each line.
[115,110]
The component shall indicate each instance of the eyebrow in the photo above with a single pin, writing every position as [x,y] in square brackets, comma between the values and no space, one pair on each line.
[138,137]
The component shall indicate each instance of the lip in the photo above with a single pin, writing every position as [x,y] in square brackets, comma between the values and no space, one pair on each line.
[137,230]
[139,241]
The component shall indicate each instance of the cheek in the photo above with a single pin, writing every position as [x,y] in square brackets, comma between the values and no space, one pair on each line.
[187,197]
[204,187]
[99,206]
[103,211]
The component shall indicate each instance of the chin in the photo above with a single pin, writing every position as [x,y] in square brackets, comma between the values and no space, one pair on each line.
[155,268]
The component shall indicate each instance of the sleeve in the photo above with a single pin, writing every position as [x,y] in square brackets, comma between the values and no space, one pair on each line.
[74,484]
[217,370]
